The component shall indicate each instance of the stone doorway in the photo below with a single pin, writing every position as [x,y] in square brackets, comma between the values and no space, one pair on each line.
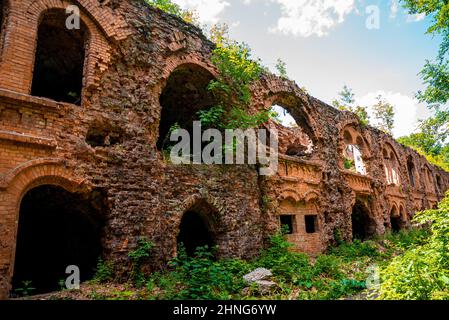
[363,226]
[56,229]
[194,233]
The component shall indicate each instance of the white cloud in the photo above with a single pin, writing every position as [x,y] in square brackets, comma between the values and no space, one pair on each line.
[311,17]
[416,17]
[208,10]
[405,107]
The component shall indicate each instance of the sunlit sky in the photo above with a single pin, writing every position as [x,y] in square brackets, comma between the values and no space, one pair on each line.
[327,44]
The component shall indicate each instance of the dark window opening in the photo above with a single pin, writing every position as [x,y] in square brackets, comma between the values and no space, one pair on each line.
[57,229]
[439,184]
[311,224]
[184,95]
[287,223]
[396,224]
[297,151]
[59,60]
[411,172]
[363,227]
[194,233]
[104,136]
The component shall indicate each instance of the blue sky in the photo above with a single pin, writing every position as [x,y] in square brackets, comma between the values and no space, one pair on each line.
[327,44]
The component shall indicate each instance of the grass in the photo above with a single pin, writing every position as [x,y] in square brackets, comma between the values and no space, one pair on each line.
[340,273]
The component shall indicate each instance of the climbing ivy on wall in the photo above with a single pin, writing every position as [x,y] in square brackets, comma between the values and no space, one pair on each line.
[231,88]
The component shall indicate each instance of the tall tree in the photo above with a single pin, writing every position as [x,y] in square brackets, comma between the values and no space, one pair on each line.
[435,72]
[384,114]
[346,102]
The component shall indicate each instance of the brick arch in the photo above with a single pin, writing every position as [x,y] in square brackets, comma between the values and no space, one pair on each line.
[174,62]
[289,194]
[112,26]
[212,219]
[295,104]
[17,184]
[355,136]
[24,37]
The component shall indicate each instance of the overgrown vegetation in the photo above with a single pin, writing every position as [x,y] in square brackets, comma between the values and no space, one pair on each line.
[341,273]
[174,9]
[431,139]
[231,88]
[137,257]
[422,272]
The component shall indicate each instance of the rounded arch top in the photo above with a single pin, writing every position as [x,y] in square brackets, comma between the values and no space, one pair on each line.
[175,62]
[39,172]
[389,150]
[296,105]
[112,25]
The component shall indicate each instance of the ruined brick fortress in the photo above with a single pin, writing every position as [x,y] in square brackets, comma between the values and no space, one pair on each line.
[83,115]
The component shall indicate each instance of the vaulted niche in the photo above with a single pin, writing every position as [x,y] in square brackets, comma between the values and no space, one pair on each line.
[197,228]
[411,171]
[395,220]
[183,96]
[355,151]
[291,122]
[59,60]
[391,166]
[439,183]
[363,226]
[57,229]
[430,185]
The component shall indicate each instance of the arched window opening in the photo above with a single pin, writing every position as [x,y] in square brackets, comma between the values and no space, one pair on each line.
[430,185]
[57,229]
[196,228]
[293,137]
[353,151]
[59,60]
[283,117]
[411,171]
[439,183]
[391,166]
[184,95]
[363,226]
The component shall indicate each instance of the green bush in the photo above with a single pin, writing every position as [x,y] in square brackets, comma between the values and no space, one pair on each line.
[357,249]
[104,271]
[422,272]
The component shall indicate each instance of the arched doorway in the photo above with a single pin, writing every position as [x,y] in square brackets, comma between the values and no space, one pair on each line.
[363,226]
[56,229]
[395,219]
[196,228]
[184,95]
[59,61]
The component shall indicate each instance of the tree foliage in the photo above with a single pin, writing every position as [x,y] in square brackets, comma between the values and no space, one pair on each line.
[422,272]
[384,113]
[346,102]
[231,88]
[435,72]
[174,9]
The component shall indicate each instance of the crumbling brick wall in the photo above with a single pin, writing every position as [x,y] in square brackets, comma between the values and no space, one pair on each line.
[108,146]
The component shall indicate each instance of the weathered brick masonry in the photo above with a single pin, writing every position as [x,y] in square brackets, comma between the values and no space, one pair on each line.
[103,147]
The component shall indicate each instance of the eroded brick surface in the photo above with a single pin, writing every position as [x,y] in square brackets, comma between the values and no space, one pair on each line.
[108,144]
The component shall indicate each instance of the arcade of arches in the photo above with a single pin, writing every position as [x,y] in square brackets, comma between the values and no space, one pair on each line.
[97,104]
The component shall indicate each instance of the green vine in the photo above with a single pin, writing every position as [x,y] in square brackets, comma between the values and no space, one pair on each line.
[231,88]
